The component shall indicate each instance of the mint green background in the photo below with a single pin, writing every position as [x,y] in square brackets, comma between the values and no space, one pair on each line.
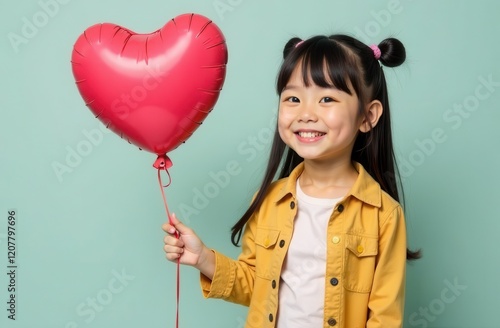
[105,216]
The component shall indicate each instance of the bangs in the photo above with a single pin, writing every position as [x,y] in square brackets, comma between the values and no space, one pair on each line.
[325,63]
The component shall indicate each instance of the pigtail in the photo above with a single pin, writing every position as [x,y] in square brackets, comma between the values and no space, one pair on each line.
[290,45]
[375,150]
[392,52]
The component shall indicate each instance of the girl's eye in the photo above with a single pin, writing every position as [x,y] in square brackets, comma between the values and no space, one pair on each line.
[293,99]
[327,99]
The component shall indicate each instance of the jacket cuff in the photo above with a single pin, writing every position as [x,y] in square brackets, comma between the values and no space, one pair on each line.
[221,284]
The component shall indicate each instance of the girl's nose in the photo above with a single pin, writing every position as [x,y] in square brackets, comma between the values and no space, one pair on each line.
[307,114]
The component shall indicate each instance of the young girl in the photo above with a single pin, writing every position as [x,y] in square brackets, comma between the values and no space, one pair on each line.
[325,244]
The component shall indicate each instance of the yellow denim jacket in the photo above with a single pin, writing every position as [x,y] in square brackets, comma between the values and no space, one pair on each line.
[366,258]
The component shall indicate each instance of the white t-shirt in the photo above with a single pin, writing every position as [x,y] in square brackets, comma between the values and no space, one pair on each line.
[302,287]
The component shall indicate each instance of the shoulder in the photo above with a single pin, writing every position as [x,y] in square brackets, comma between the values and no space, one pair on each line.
[367,189]
[390,209]
[388,202]
[392,226]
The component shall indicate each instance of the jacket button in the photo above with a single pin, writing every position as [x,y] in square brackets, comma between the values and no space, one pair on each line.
[360,249]
[340,208]
[332,322]
[270,317]
[273,284]
[282,243]
[336,239]
[334,281]
[292,205]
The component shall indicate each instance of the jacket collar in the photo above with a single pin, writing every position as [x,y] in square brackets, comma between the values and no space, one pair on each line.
[366,189]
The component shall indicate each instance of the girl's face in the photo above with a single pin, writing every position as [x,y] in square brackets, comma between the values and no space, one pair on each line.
[320,124]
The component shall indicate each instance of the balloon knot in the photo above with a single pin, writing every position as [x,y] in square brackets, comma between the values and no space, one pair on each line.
[162,162]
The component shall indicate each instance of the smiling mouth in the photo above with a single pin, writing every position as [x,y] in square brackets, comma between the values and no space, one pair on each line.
[310,134]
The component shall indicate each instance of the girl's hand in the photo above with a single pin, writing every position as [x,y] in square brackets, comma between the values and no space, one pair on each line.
[188,249]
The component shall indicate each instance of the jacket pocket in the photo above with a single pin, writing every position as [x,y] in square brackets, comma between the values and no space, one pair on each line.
[359,262]
[265,241]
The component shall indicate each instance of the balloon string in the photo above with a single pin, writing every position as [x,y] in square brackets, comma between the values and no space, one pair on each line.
[176,236]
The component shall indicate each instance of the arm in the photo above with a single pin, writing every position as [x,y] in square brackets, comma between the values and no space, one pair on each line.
[221,276]
[386,302]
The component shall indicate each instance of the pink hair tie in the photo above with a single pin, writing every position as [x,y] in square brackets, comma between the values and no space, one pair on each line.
[299,43]
[376,51]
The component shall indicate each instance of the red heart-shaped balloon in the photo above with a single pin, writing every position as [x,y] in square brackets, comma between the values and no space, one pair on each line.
[153,90]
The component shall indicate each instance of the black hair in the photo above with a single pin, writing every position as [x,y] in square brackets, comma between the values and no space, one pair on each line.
[350,63]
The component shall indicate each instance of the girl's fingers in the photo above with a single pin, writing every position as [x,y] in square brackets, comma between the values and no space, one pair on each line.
[173,257]
[174,225]
[169,249]
[173,253]
[171,240]
[179,226]
[168,228]
[174,244]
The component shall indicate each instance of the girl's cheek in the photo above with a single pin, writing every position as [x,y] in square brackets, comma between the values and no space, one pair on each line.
[285,116]
[283,134]
[284,123]
[281,119]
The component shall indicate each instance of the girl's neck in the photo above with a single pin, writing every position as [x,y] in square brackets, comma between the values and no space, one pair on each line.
[327,179]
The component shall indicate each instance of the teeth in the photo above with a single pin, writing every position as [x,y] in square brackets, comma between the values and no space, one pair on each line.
[310,134]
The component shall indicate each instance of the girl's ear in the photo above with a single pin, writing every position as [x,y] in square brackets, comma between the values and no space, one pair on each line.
[374,110]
